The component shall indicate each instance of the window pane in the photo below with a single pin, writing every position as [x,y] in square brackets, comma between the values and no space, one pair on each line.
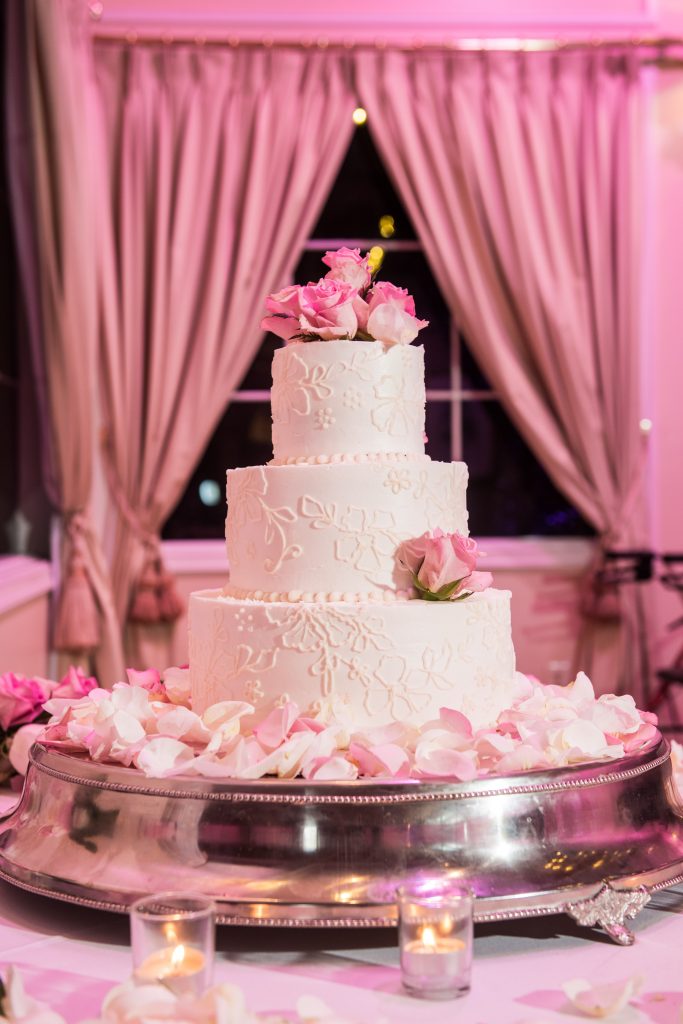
[243,438]
[362,193]
[438,431]
[509,493]
[258,377]
[471,377]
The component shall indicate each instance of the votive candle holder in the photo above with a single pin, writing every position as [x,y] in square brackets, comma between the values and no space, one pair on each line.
[435,938]
[173,938]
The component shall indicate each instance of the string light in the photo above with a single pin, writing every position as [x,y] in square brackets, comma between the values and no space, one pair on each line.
[387,226]
[375,258]
[645,425]
[360,115]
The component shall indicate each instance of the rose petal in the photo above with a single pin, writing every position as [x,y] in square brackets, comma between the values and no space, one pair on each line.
[601,1000]
[162,757]
[275,727]
[456,721]
[22,741]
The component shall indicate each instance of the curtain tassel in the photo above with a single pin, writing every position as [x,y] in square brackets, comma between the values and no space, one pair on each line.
[171,605]
[145,603]
[155,597]
[77,619]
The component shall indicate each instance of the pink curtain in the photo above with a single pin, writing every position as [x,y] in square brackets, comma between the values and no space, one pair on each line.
[50,108]
[520,172]
[219,162]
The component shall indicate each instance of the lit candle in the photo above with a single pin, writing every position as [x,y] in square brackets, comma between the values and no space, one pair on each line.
[172,935]
[178,967]
[435,937]
[431,956]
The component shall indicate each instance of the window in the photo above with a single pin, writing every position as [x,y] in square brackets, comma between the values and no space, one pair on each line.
[509,493]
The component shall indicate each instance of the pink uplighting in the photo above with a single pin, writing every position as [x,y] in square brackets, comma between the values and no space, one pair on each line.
[341,560]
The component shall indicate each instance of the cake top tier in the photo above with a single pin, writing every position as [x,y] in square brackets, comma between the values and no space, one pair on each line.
[343,400]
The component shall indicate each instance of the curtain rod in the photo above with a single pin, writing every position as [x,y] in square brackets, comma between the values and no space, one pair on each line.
[530,45]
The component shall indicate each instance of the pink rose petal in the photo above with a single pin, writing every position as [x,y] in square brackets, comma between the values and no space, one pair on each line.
[148,679]
[276,726]
[455,721]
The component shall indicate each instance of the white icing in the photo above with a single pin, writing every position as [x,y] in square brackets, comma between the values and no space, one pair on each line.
[293,596]
[347,396]
[322,528]
[344,457]
[380,663]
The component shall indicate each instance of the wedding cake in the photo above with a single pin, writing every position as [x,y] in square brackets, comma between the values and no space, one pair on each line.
[322,606]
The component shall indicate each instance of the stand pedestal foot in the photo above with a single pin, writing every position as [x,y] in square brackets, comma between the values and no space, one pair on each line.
[608,909]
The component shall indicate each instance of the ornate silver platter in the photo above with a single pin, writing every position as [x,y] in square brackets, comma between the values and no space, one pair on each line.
[591,841]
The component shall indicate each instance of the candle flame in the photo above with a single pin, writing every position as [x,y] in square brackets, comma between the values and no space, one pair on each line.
[428,937]
[177,956]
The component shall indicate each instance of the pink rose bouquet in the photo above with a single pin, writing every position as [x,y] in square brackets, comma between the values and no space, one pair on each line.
[443,566]
[344,304]
[23,715]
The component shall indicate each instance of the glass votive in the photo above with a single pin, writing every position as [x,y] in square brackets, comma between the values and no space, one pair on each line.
[435,937]
[173,937]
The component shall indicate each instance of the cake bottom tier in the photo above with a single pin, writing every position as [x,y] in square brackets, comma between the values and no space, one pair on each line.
[365,664]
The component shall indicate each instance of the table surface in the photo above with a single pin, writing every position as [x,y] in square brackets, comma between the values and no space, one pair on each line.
[70,957]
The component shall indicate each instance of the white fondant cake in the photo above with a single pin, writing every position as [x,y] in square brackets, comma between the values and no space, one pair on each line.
[342,398]
[366,664]
[335,527]
[317,610]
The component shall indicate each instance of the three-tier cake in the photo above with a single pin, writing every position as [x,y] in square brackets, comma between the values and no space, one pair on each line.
[318,609]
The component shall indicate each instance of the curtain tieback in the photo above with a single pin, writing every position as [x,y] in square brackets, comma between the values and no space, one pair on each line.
[154,596]
[77,616]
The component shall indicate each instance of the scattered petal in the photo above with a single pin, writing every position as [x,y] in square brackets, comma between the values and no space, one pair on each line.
[601,1000]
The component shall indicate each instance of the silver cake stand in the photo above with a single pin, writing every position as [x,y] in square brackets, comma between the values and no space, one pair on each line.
[592,842]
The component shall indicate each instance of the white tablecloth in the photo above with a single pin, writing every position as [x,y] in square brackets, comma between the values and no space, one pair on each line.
[70,957]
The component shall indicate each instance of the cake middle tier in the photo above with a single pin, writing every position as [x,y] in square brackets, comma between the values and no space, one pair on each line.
[333,530]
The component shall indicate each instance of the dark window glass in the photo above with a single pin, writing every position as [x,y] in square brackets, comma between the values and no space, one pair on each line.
[258,376]
[243,438]
[438,431]
[361,194]
[509,493]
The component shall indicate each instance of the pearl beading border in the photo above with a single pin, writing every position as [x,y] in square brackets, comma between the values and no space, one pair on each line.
[346,457]
[319,596]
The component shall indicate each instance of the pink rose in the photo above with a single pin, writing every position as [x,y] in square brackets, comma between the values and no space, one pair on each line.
[392,325]
[384,291]
[21,699]
[361,309]
[349,266]
[442,563]
[411,553]
[466,549]
[286,309]
[478,581]
[391,315]
[437,560]
[74,684]
[327,310]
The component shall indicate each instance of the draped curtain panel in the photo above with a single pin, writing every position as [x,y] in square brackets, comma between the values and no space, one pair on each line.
[219,161]
[521,174]
[49,110]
